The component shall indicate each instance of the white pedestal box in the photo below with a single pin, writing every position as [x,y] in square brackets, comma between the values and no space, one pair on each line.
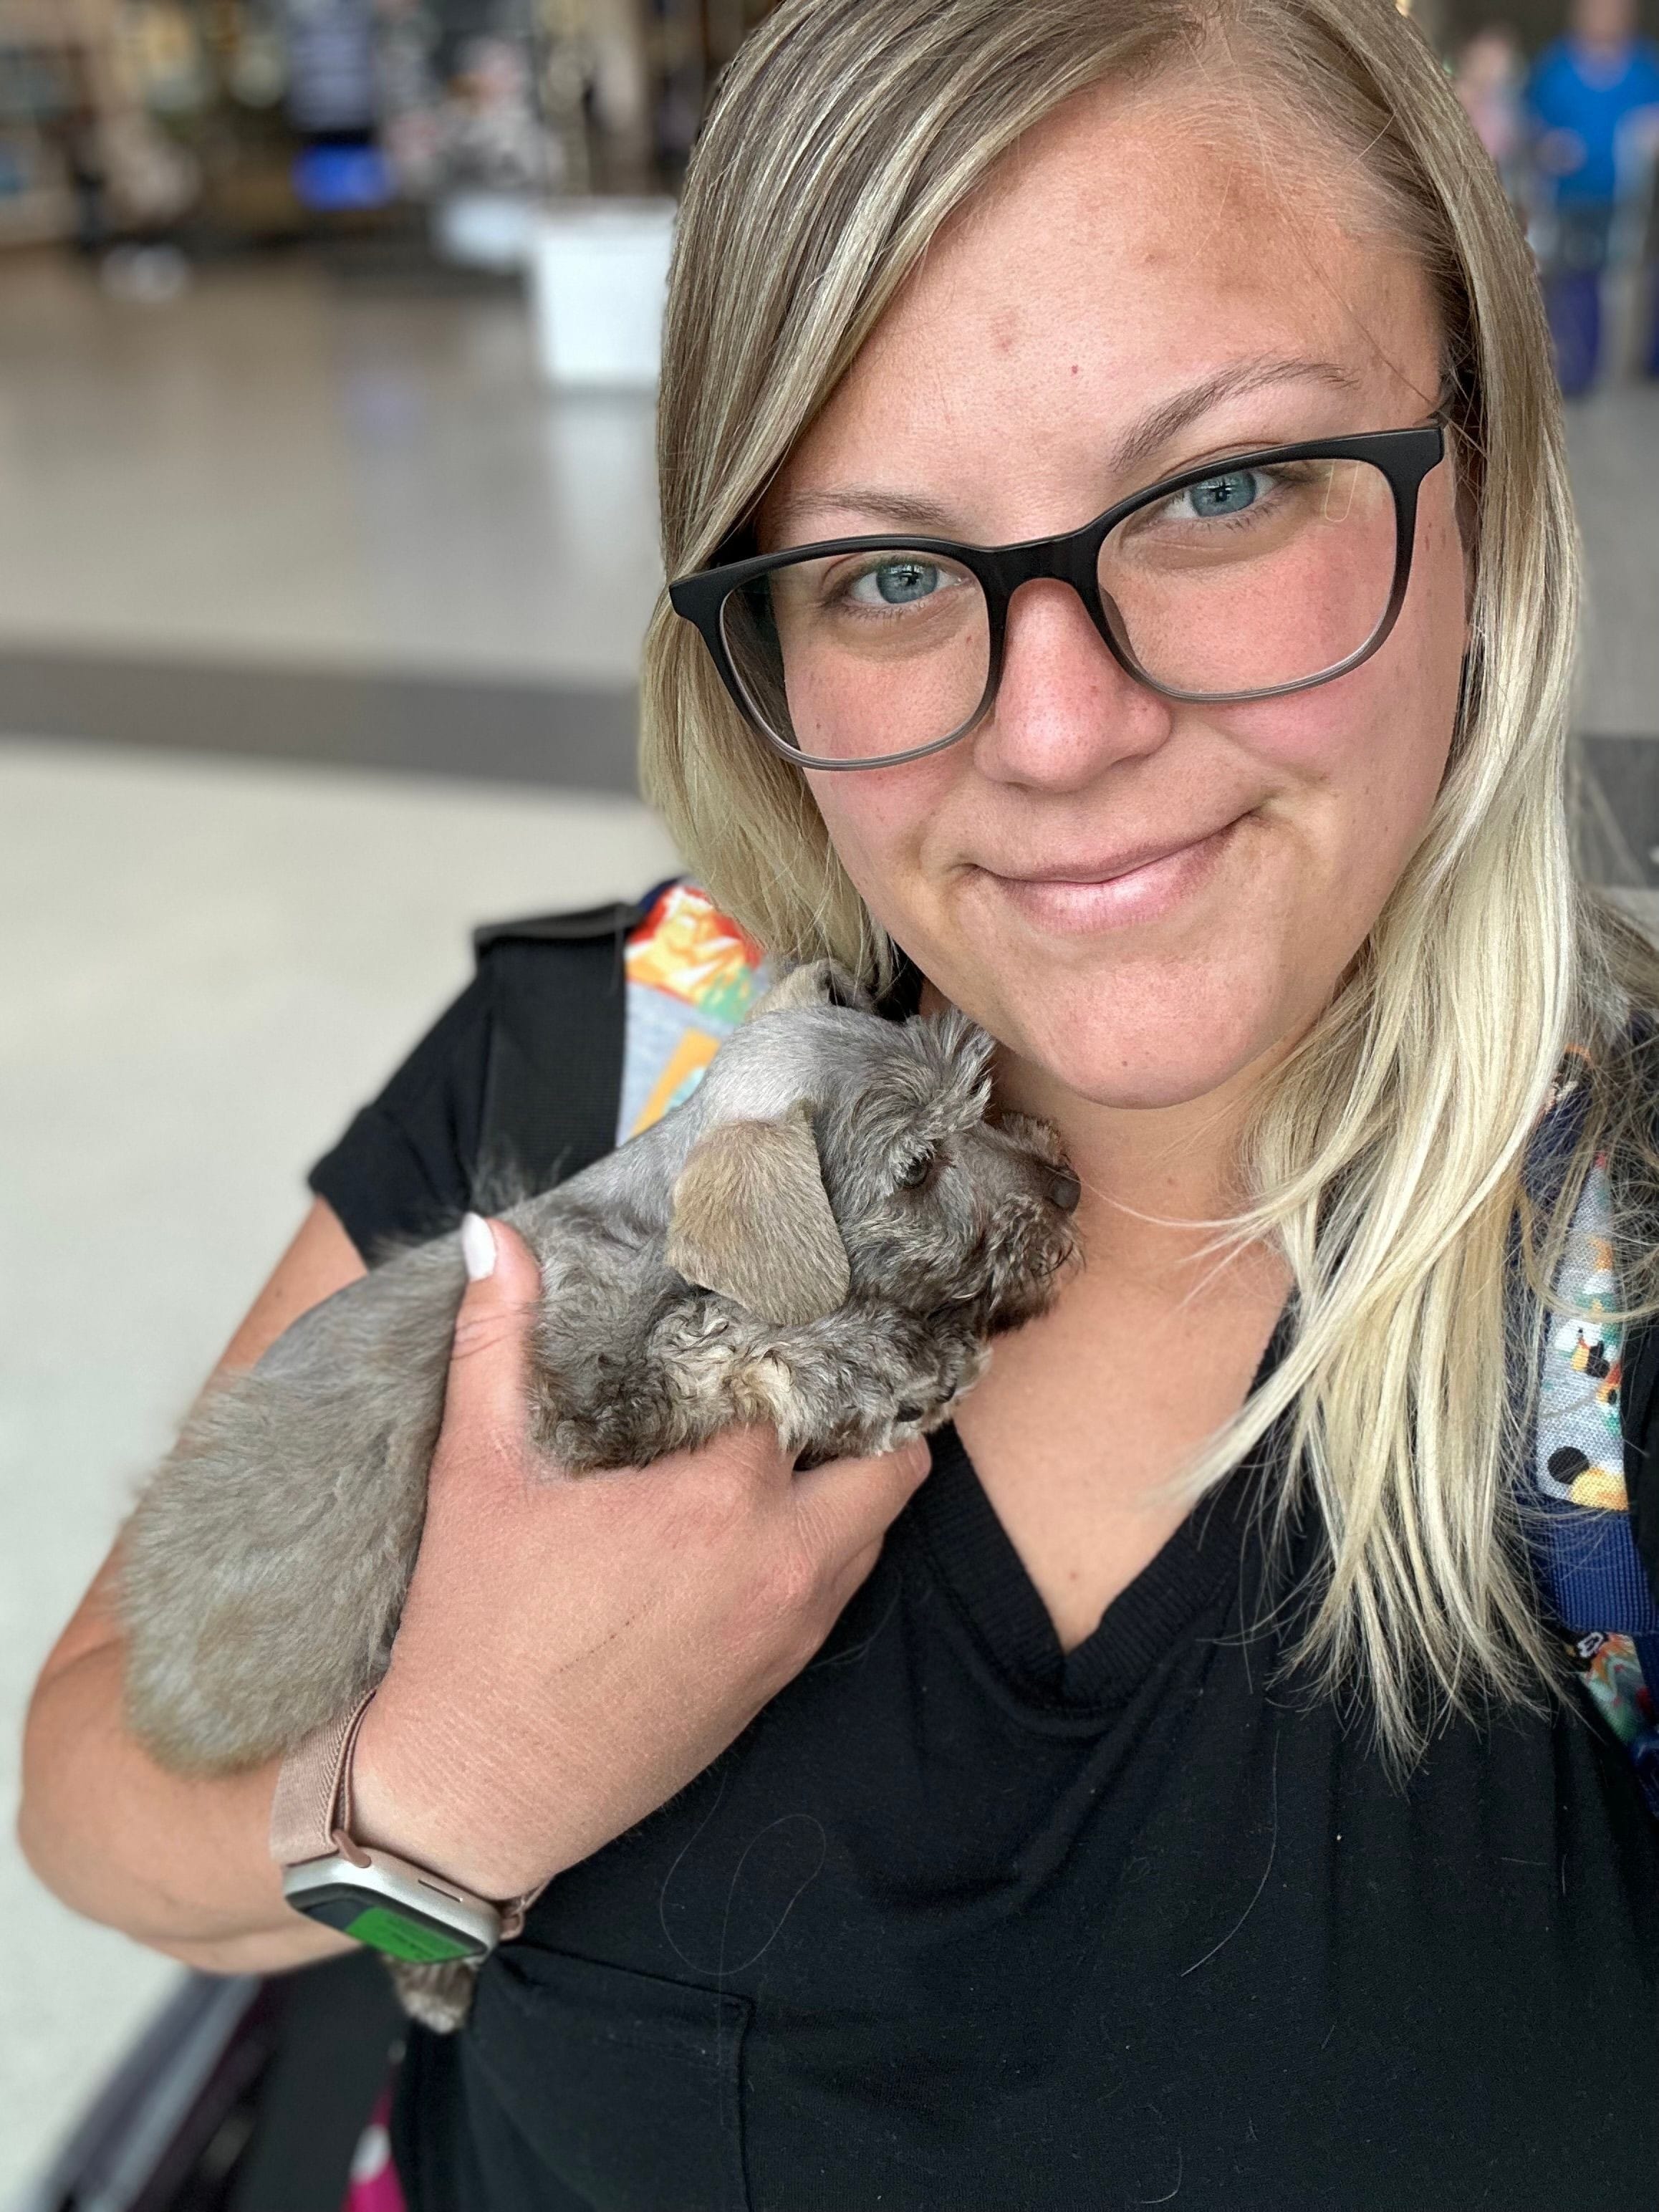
[486,230]
[598,276]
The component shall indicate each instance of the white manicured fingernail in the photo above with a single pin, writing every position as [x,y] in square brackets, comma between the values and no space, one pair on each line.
[477,1247]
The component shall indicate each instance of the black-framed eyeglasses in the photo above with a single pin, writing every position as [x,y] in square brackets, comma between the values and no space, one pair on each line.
[1259,574]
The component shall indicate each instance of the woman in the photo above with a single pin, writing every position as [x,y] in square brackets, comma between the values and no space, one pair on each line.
[1489,78]
[1034,1835]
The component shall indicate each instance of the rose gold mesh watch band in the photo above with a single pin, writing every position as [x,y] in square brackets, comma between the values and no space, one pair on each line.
[310,1812]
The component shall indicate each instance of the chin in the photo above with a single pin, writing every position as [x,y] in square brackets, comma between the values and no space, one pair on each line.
[1107,1053]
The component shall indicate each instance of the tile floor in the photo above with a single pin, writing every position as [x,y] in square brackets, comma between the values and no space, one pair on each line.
[204,966]
[278,467]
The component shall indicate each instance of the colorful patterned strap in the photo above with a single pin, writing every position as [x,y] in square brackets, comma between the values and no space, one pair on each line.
[692,976]
[1582,1542]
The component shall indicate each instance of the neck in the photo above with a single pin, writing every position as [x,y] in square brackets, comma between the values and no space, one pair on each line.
[1175,1162]
[1178,1163]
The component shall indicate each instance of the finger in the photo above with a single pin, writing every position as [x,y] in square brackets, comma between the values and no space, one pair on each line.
[748,1453]
[851,1576]
[489,1358]
[849,1504]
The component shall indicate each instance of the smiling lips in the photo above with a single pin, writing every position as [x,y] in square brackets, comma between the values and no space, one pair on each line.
[1132,886]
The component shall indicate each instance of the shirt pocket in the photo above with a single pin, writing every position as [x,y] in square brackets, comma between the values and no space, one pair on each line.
[628,2088]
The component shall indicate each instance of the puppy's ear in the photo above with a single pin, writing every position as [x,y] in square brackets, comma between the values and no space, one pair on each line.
[751,1219]
[814,983]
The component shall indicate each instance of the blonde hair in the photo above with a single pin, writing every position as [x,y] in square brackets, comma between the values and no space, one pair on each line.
[1382,1159]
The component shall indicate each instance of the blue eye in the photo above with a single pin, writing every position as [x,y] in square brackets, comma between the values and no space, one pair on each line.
[900,583]
[1224,495]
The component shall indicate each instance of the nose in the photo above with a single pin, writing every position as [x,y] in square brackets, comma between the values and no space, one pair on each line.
[1064,1190]
[1065,712]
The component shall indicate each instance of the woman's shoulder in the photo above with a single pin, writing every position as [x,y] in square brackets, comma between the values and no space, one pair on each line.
[577,1029]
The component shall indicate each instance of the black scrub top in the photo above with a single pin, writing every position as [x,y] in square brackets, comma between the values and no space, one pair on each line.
[965,1923]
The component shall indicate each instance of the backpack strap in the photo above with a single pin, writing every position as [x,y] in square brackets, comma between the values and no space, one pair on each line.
[556,1048]
[690,976]
[605,1019]
[1588,1563]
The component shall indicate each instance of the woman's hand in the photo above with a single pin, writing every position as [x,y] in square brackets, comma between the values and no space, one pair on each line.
[575,1649]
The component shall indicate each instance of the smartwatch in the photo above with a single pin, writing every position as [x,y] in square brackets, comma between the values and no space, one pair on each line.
[377,1897]
[394,1906]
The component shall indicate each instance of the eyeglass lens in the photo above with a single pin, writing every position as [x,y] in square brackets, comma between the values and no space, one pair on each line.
[1253,579]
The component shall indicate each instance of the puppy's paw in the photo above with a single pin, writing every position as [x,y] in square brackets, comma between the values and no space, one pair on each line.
[438,1996]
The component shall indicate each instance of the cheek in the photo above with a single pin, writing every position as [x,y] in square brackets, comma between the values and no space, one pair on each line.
[1361,760]
[880,820]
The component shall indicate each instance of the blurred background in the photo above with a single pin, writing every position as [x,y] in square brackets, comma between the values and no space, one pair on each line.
[327,346]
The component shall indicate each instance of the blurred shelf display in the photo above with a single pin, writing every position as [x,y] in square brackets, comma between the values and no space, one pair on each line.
[560,96]
[226,123]
[1533,21]
[238,120]
[76,136]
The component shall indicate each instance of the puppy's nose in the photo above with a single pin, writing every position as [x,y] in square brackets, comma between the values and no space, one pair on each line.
[1064,1189]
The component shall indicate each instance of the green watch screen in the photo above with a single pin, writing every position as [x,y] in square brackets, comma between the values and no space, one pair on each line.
[384,1929]
[386,1925]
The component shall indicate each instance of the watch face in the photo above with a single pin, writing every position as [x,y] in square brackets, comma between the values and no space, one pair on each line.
[386,1926]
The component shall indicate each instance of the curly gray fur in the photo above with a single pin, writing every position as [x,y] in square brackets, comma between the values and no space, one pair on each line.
[824,1236]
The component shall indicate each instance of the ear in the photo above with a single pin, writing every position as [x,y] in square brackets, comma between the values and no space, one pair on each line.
[751,1219]
[814,983]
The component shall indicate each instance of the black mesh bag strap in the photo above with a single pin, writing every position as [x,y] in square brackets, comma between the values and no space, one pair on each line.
[553,1085]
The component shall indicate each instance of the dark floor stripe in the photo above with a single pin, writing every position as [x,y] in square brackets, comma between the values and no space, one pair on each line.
[500,730]
[579,737]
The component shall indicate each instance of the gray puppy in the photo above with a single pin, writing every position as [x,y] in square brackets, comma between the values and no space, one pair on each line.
[823,1237]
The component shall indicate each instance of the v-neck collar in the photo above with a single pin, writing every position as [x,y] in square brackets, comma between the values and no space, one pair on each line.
[976,1558]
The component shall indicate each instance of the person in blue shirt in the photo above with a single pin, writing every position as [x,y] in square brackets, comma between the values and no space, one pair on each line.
[1586,92]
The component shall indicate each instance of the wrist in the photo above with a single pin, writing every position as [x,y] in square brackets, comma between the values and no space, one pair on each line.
[340,1869]
[404,1795]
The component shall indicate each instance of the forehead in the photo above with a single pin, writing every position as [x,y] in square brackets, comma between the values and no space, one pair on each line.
[1133,244]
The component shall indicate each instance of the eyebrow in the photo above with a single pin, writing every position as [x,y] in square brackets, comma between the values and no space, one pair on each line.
[1147,436]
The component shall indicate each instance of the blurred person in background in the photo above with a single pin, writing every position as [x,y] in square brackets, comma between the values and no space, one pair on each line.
[1112,474]
[1490,80]
[1593,95]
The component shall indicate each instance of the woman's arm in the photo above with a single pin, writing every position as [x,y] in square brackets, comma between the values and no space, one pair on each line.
[572,1652]
[181,1865]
